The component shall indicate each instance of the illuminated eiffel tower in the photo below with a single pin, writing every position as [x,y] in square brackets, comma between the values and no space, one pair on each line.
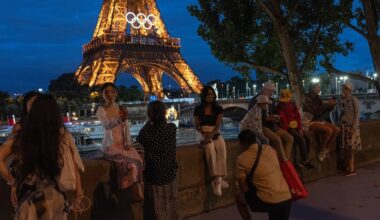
[131,37]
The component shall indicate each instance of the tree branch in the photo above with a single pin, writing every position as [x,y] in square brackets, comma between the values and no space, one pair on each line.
[266,69]
[292,10]
[312,47]
[353,75]
[267,10]
[359,31]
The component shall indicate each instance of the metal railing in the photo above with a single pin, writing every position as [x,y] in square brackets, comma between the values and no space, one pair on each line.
[117,38]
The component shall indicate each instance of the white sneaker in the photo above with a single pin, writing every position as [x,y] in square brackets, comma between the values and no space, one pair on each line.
[216,187]
[225,184]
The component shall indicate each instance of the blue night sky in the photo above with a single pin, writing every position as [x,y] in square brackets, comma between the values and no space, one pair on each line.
[42,39]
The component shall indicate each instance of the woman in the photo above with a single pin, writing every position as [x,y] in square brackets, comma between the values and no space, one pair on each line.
[158,139]
[117,143]
[38,150]
[346,115]
[207,120]
[261,183]
[290,120]
[26,105]
[314,113]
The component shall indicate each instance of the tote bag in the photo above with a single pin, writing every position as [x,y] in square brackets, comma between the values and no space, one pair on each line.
[67,179]
[296,187]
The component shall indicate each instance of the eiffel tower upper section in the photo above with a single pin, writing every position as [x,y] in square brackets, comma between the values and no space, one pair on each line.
[131,37]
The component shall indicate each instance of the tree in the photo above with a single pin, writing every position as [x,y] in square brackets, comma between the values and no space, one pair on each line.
[286,38]
[365,20]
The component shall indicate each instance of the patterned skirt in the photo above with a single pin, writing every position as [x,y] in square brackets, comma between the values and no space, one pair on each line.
[350,140]
[160,202]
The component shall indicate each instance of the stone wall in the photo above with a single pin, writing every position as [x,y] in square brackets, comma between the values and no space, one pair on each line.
[195,193]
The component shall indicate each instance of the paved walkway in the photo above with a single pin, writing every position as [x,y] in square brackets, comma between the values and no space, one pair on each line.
[334,198]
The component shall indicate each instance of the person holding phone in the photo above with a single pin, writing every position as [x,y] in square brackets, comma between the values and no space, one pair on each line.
[117,146]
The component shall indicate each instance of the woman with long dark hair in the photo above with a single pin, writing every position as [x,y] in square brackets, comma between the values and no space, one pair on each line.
[117,148]
[37,150]
[27,102]
[207,120]
[158,139]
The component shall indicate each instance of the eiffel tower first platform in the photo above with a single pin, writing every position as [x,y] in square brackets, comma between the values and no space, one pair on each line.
[131,37]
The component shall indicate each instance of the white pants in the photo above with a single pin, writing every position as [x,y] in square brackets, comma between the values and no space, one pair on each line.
[216,155]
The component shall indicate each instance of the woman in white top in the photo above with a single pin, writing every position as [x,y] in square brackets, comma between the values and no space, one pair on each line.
[117,143]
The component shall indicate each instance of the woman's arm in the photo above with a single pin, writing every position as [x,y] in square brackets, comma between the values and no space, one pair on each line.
[5,152]
[356,121]
[197,124]
[218,123]
[107,123]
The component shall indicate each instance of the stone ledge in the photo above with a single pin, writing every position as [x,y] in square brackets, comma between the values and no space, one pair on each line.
[195,193]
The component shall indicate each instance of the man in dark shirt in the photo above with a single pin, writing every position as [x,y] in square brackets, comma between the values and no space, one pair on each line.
[281,140]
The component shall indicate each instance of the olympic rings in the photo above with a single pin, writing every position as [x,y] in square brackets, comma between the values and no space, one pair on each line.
[141,20]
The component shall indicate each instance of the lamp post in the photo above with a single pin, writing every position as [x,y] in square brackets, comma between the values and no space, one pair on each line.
[276,90]
[254,89]
[233,92]
[222,91]
[336,85]
[227,90]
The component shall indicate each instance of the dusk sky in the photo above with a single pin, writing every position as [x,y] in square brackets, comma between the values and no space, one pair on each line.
[39,40]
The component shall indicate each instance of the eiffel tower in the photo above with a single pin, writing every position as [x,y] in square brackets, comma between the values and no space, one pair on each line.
[131,37]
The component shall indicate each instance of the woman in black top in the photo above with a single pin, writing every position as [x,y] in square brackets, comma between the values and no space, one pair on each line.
[158,139]
[207,120]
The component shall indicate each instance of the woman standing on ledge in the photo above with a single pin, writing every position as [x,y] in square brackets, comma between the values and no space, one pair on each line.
[207,120]
[117,146]
[158,139]
[346,115]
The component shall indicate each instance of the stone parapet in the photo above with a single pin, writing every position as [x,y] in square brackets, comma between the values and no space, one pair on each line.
[195,192]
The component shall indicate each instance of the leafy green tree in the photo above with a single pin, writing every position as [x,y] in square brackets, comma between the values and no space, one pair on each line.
[286,38]
[365,20]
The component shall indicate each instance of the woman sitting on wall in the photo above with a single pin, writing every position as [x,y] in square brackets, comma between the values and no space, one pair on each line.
[117,148]
[207,120]
[290,120]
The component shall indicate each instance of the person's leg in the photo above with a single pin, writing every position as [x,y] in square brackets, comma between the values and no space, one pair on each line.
[261,139]
[300,142]
[280,211]
[324,133]
[221,161]
[334,135]
[275,141]
[211,157]
[287,142]
[242,206]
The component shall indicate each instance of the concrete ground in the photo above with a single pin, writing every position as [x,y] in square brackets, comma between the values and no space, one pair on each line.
[334,198]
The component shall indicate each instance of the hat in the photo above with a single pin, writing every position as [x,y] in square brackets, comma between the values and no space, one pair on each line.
[263,99]
[269,85]
[286,95]
[348,85]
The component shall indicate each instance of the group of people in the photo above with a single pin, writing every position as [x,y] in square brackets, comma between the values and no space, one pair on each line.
[40,145]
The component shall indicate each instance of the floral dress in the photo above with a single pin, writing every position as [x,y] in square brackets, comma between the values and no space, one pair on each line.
[346,115]
[116,147]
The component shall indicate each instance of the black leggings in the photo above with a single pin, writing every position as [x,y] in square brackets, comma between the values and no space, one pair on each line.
[276,211]
[301,142]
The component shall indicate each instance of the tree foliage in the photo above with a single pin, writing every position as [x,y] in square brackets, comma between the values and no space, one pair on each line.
[279,37]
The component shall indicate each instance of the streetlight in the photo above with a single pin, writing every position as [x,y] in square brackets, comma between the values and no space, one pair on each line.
[233,92]
[276,90]
[227,90]
[315,80]
[254,89]
[222,91]
[336,85]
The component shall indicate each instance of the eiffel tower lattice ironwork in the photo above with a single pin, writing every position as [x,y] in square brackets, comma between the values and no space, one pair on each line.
[138,48]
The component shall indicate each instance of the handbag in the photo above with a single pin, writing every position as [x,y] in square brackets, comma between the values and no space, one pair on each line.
[67,179]
[251,192]
[296,187]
